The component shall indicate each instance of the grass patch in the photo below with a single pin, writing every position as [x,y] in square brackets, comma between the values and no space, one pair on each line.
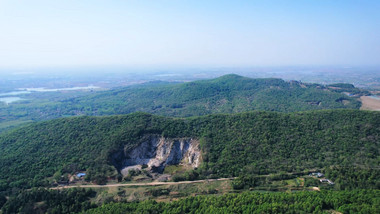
[174,169]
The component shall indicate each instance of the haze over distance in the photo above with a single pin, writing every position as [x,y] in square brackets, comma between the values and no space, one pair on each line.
[187,34]
[112,44]
[189,106]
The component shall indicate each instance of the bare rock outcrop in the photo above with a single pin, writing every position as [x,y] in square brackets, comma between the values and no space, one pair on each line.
[157,152]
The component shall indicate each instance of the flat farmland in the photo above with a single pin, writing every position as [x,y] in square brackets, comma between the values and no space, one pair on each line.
[370,103]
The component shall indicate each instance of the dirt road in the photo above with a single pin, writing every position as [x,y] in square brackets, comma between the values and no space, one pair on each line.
[141,184]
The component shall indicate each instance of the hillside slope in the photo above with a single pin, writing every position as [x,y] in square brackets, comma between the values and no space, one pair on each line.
[231,145]
[226,94]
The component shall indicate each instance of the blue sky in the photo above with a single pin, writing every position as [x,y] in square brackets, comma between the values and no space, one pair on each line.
[188,33]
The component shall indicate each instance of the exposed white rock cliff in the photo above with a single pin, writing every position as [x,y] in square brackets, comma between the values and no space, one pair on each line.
[157,152]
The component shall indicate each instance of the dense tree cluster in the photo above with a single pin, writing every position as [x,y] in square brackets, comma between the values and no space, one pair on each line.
[49,201]
[360,201]
[253,143]
[353,177]
[77,200]
[250,146]
[226,94]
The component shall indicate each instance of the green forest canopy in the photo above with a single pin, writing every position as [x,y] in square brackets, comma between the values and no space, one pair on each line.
[360,201]
[77,201]
[226,94]
[232,145]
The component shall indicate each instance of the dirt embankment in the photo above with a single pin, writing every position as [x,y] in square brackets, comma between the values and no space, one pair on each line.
[370,103]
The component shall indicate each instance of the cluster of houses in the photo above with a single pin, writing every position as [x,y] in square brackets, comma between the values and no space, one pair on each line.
[320,175]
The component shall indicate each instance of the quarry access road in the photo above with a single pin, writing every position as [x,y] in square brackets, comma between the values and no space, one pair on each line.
[157,183]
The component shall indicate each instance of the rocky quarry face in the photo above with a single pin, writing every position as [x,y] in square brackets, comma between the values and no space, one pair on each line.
[157,152]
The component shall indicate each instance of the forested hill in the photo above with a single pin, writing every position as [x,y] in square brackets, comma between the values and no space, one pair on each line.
[226,94]
[232,145]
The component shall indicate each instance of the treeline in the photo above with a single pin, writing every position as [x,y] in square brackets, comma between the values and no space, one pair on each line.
[349,88]
[249,181]
[78,201]
[49,201]
[353,177]
[344,178]
[360,201]
[255,143]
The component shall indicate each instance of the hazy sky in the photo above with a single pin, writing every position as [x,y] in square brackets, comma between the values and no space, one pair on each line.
[50,33]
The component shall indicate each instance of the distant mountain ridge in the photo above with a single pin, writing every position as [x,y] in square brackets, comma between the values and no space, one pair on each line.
[226,94]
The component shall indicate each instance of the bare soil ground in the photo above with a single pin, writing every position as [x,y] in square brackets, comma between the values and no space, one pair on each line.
[141,184]
[370,103]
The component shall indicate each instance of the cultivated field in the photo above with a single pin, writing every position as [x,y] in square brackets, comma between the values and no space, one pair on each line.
[370,103]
